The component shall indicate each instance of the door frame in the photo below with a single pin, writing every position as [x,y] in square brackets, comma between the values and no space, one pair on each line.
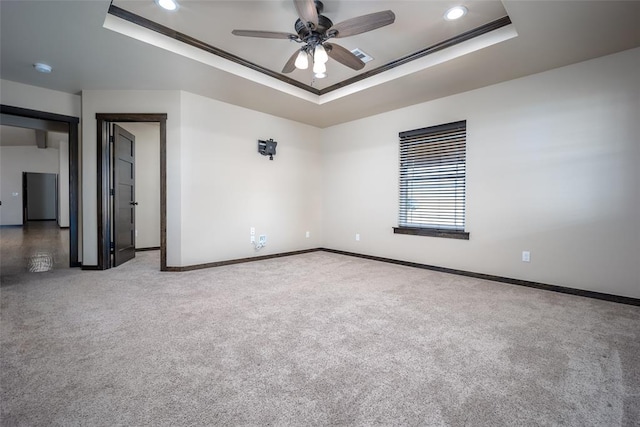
[74,168]
[105,169]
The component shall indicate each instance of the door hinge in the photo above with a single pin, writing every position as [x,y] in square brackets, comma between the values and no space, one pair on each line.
[113,247]
[112,192]
[110,138]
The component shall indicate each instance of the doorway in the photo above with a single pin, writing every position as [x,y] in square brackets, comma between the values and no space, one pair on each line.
[106,170]
[70,125]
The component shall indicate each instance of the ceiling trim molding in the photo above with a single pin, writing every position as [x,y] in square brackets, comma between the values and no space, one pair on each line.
[191,41]
[471,34]
[42,115]
[198,44]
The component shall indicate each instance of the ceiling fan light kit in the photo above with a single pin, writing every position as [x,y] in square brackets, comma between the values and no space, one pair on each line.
[314,30]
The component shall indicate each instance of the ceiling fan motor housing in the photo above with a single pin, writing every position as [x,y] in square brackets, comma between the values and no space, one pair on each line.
[318,32]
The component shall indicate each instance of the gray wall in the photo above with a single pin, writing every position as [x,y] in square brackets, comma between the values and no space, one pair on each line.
[552,168]
[218,185]
[13,162]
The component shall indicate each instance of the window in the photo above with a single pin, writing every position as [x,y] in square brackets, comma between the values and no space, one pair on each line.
[432,181]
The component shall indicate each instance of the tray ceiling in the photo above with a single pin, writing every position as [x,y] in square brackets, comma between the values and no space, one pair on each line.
[418,25]
[72,37]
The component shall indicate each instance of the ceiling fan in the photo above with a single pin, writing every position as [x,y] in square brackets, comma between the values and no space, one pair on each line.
[314,29]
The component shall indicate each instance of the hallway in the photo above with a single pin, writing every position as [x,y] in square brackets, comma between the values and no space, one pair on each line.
[35,247]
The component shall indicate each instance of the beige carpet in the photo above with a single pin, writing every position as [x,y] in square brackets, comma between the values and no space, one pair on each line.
[313,339]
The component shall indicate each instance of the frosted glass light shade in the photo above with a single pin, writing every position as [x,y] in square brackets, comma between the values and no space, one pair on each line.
[320,55]
[319,67]
[302,61]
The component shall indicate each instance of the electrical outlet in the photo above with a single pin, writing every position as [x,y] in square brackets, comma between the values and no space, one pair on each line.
[136,233]
[307,235]
[253,231]
[262,239]
[526,256]
[357,237]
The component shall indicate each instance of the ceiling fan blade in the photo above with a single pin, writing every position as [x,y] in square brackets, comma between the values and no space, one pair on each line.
[291,63]
[307,11]
[264,34]
[343,56]
[361,24]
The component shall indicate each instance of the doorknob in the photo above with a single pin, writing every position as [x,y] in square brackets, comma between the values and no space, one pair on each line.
[133,203]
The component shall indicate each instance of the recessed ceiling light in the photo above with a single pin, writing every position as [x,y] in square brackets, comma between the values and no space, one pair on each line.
[43,68]
[168,4]
[454,13]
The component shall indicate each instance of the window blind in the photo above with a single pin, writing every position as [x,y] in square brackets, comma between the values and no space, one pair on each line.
[433,177]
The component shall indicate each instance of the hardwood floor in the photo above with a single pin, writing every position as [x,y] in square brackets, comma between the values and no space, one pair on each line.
[34,247]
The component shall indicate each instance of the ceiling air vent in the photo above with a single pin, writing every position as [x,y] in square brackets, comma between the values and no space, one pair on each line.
[363,56]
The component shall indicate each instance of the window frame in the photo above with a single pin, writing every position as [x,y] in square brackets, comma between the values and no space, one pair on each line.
[431,231]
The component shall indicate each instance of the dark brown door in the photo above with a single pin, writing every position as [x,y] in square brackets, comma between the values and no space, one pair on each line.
[124,218]
[41,194]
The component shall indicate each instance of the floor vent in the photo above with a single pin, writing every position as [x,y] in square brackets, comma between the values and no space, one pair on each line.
[363,56]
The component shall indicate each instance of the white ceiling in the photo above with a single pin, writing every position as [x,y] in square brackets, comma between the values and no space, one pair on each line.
[70,36]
